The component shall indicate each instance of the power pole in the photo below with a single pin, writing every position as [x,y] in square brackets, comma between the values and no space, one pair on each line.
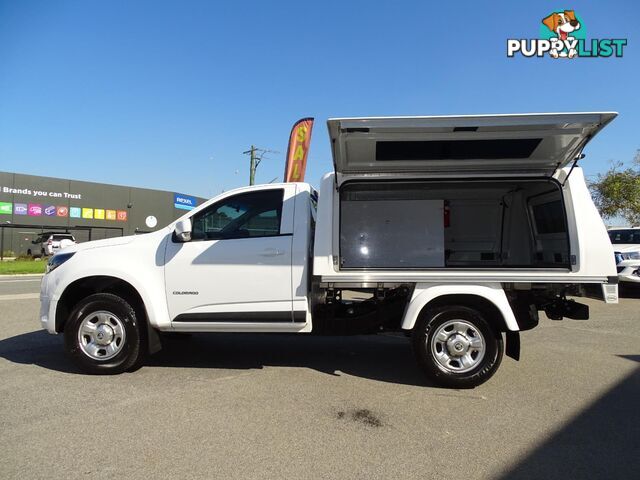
[252,166]
[255,157]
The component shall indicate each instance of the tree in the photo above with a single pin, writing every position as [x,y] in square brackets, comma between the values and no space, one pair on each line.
[617,192]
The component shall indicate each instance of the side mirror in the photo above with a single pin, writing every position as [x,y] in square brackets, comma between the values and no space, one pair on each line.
[182,231]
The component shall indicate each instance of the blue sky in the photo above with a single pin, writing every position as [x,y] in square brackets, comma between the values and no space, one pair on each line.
[168,94]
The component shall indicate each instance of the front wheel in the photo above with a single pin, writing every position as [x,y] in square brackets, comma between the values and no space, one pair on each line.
[456,347]
[102,335]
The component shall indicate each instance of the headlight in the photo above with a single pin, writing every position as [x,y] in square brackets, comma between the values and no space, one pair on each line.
[630,255]
[57,260]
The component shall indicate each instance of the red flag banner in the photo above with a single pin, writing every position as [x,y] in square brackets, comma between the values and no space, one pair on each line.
[299,142]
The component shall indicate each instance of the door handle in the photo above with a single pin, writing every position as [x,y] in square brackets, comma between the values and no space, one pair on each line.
[271,252]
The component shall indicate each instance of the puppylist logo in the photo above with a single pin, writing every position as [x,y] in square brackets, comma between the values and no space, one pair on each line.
[562,35]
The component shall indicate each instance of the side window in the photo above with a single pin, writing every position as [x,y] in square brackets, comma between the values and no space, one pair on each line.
[254,214]
[549,217]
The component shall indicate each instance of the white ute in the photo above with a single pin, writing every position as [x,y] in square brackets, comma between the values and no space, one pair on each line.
[456,230]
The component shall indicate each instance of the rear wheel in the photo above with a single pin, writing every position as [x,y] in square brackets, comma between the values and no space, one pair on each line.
[102,335]
[456,347]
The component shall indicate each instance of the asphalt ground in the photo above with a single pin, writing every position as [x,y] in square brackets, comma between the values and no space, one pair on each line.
[286,406]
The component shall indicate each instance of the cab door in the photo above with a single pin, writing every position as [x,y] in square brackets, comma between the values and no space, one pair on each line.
[237,266]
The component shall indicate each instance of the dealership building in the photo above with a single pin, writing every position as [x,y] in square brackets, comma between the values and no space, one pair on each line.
[31,205]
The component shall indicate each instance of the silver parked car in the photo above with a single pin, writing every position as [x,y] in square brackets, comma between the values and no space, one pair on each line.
[49,243]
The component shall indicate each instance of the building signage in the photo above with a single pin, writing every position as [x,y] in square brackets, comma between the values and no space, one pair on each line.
[51,203]
[38,210]
[20,208]
[40,193]
[184,202]
[35,210]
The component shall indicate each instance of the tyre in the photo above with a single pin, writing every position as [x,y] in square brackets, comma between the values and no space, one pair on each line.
[102,335]
[456,346]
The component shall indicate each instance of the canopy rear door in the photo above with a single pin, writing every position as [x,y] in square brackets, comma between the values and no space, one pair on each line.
[483,145]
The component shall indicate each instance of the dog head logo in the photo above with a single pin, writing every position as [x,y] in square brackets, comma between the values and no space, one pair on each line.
[563,24]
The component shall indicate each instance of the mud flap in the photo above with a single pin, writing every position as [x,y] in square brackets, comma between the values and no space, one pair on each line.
[153,340]
[513,345]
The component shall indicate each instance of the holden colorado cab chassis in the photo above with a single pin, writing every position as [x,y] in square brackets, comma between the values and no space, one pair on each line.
[454,230]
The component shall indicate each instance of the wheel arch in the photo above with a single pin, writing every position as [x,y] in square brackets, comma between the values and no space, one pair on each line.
[488,299]
[85,286]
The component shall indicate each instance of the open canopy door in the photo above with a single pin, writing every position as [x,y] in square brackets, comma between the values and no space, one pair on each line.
[476,145]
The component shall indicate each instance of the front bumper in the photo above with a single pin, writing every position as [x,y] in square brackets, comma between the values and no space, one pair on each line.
[47,305]
[629,271]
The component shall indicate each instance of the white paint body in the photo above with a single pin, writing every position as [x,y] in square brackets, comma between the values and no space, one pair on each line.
[269,275]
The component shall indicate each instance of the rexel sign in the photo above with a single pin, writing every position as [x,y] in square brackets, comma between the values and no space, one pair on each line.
[184,202]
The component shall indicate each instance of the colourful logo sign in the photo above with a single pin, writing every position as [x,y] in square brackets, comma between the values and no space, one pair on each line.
[50,211]
[20,208]
[121,215]
[62,211]
[75,212]
[6,208]
[87,213]
[110,214]
[98,213]
[35,210]
[562,35]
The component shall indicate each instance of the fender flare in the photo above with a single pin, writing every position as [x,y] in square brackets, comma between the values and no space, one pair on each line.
[152,337]
[425,293]
[156,312]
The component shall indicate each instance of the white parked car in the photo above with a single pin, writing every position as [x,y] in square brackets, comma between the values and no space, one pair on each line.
[49,243]
[455,230]
[626,246]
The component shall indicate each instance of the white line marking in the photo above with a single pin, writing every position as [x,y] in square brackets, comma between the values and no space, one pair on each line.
[16,281]
[20,296]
